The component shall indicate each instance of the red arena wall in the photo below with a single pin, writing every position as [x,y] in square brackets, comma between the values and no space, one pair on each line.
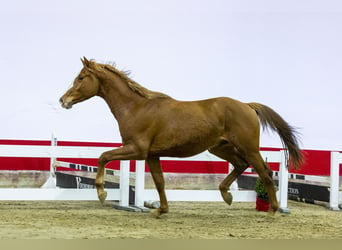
[317,161]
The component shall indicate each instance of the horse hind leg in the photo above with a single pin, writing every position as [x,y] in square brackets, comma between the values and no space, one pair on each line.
[228,153]
[239,168]
[265,174]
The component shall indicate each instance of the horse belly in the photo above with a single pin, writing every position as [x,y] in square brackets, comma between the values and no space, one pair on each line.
[184,150]
[182,144]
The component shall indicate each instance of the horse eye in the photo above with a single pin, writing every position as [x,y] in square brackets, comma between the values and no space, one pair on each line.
[80,78]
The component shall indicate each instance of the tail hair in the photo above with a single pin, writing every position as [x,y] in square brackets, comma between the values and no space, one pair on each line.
[289,135]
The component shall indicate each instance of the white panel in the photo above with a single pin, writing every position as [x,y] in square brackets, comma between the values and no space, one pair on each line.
[48,151]
[36,194]
[139,183]
[200,195]
[334,180]
[124,183]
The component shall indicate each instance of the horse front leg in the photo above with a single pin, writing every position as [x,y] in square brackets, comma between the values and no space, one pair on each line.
[158,178]
[99,183]
[128,152]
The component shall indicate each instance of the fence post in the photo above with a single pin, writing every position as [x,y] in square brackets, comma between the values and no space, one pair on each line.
[124,183]
[139,183]
[283,183]
[51,181]
[53,157]
[334,180]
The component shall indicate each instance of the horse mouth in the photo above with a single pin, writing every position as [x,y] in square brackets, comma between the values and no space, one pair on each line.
[67,105]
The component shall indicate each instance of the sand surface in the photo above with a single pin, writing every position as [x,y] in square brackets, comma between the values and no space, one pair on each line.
[186,220]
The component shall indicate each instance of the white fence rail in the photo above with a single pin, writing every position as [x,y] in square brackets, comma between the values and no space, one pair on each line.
[122,194]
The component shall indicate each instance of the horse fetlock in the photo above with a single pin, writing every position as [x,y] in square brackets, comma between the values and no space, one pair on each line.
[156,213]
[274,208]
[164,210]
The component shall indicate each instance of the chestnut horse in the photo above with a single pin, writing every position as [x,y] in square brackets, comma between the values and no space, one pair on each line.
[153,125]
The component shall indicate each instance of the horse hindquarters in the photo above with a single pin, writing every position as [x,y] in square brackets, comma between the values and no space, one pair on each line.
[241,148]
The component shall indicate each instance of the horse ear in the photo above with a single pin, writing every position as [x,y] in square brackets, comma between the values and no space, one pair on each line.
[85,61]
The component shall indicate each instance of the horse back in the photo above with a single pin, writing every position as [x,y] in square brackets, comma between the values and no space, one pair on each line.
[184,128]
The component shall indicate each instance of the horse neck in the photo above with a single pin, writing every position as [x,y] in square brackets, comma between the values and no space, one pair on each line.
[119,97]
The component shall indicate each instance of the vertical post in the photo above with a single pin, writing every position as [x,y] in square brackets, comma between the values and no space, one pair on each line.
[334,180]
[51,181]
[53,157]
[139,183]
[283,183]
[124,183]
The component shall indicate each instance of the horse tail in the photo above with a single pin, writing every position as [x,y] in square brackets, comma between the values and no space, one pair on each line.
[288,135]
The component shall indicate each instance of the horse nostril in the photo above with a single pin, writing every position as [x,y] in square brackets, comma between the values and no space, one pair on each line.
[60,100]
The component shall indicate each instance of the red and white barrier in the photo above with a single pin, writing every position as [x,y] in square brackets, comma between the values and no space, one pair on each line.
[141,194]
[51,152]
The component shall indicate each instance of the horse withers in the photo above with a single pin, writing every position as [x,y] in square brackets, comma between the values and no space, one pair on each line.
[154,125]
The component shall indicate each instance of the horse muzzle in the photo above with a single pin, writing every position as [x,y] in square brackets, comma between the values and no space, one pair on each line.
[65,104]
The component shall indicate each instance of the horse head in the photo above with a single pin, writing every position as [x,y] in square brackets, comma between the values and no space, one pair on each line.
[85,86]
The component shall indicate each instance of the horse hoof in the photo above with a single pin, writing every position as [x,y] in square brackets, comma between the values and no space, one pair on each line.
[102,197]
[228,198]
[271,213]
[156,213]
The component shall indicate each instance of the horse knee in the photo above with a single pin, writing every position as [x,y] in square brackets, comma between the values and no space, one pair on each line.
[103,159]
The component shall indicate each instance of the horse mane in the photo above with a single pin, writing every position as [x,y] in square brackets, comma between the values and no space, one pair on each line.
[133,85]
